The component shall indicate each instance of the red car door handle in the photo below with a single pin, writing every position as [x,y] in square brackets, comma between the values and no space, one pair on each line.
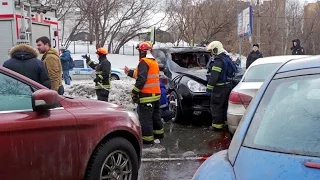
[312,165]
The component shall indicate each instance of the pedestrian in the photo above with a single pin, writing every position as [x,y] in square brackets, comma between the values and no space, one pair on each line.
[51,62]
[23,60]
[65,59]
[103,74]
[146,93]
[296,48]
[165,113]
[220,84]
[253,55]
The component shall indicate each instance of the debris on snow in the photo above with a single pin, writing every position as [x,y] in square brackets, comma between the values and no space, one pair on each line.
[120,92]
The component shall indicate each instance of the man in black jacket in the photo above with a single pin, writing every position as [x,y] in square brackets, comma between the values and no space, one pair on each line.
[103,74]
[296,47]
[23,60]
[254,55]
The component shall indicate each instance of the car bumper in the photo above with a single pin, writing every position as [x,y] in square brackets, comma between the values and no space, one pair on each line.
[233,121]
[198,102]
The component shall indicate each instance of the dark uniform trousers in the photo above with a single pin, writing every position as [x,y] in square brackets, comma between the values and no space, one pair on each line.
[102,94]
[219,105]
[149,116]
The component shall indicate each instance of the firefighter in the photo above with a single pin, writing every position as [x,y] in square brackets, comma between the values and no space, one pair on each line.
[146,93]
[218,87]
[103,74]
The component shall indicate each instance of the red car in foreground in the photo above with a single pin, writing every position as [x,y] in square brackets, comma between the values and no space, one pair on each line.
[47,136]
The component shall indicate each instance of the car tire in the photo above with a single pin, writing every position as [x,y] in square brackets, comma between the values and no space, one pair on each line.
[108,158]
[114,77]
[175,108]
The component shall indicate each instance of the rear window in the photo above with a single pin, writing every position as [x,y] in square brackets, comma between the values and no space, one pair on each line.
[259,73]
[288,117]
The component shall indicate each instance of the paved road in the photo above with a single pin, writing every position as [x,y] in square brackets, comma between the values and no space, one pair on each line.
[181,152]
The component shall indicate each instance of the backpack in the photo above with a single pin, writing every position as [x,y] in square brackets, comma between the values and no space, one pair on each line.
[229,69]
[71,63]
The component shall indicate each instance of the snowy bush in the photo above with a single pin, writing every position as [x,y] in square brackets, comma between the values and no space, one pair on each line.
[120,92]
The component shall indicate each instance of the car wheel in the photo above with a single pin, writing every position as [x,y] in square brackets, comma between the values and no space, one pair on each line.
[174,107]
[114,77]
[114,159]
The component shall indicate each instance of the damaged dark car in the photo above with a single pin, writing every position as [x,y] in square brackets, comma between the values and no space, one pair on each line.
[186,69]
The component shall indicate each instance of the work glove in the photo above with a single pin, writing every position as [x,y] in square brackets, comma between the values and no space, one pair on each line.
[208,93]
[135,98]
[96,80]
[86,57]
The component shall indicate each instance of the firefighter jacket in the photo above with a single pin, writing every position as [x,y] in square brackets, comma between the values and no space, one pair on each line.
[215,75]
[103,72]
[147,84]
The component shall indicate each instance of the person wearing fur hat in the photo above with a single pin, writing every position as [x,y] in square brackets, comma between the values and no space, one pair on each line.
[23,60]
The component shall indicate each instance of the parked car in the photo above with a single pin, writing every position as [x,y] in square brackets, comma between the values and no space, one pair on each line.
[278,137]
[241,95]
[83,71]
[47,136]
[186,69]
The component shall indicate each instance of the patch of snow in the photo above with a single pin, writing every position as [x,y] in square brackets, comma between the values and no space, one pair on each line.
[120,92]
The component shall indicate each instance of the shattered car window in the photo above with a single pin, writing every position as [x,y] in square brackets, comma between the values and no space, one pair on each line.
[189,60]
[288,117]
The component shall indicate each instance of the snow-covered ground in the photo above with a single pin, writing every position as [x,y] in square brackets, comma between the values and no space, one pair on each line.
[120,92]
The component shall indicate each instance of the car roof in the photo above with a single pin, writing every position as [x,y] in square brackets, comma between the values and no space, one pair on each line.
[182,49]
[299,64]
[276,59]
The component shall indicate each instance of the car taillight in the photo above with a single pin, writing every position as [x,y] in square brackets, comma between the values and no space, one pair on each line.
[238,98]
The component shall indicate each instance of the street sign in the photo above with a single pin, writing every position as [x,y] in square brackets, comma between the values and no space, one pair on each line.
[245,22]
[153,35]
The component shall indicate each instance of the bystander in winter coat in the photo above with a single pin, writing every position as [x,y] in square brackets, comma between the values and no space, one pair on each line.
[23,60]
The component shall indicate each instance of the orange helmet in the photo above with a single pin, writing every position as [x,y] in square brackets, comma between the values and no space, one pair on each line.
[144,46]
[102,51]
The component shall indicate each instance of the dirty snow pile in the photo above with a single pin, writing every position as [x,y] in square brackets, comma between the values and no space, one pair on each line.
[120,92]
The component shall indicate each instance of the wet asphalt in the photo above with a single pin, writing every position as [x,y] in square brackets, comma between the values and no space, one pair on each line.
[181,152]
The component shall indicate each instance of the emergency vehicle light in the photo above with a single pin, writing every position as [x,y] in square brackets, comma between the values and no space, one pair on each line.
[4,3]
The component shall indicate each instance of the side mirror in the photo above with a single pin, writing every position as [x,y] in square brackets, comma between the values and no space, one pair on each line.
[44,99]
[161,67]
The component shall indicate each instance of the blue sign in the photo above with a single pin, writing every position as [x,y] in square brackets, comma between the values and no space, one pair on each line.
[245,21]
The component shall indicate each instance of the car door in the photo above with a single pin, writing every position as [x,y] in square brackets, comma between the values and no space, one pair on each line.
[78,66]
[34,145]
[283,138]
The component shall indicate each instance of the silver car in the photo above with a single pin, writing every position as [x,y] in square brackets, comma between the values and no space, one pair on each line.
[241,95]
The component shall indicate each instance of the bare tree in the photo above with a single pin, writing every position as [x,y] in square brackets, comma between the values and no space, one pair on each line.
[312,28]
[216,16]
[118,19]
[63,7]
[294,23]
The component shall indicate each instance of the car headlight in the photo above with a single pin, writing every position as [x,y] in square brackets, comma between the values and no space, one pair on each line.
[134,117]
[194,86]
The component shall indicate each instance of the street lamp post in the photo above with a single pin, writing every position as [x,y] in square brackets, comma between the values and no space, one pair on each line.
[258,22]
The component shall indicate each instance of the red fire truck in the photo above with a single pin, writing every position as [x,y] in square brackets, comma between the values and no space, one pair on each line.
[26,20]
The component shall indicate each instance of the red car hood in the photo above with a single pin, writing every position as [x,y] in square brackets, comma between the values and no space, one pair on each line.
[90,104]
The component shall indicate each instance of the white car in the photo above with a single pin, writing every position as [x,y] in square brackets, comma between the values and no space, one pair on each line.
[83,71]
[241,95]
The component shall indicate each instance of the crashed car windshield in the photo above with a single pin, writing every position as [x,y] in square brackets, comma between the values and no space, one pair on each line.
[184,61]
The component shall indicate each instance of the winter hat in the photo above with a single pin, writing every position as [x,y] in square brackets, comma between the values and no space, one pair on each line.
[256,45]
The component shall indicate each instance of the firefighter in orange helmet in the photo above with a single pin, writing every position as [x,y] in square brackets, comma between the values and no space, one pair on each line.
[103,74]
[146,93]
